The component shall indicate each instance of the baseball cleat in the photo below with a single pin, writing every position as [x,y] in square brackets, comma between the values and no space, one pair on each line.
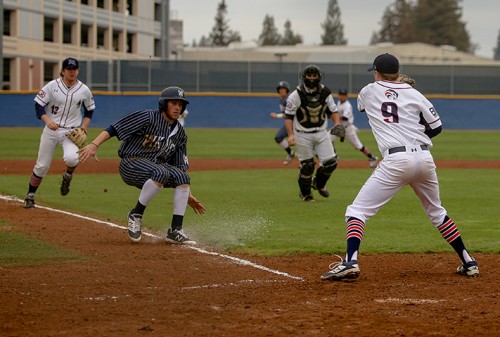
[178,236]
[308,197]
[66,181]
[289,158]
[469,269]
[134,226]
[322,191]
[29,201]
[373,162]
[342,270]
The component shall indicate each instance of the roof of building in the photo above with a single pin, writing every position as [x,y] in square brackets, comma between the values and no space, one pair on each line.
[408,53]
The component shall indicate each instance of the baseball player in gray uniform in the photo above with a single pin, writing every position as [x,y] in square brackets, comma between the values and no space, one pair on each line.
[59,105]
[307,111]
[283,90]
[403,122]
[344,108]
[153,156]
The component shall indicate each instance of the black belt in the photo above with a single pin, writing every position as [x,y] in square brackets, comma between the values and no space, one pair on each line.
[403,149]
[300,131]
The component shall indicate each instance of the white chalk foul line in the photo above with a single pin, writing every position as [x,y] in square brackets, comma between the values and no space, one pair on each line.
[198,249]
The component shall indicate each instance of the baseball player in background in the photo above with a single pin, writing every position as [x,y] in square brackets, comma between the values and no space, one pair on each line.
[307,111]
[403,122]
[344,108]
[59,105]
[283,90]
[182,118]
[153,156]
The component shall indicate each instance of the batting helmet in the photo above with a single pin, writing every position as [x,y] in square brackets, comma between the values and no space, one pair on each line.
[311,70]
[170,94]
[283,84]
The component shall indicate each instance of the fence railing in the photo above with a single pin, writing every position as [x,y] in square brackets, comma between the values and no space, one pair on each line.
[259,77]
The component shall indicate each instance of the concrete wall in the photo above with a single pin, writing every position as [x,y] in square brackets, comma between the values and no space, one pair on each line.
[243,111]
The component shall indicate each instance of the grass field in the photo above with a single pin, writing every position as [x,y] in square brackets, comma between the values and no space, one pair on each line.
[259,212]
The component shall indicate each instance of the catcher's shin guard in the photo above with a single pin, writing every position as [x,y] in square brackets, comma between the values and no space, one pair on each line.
[305,176]
[325,171]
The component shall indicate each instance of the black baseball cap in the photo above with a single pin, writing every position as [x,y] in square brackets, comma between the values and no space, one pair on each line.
[385,63]
[70,63]
[342,92]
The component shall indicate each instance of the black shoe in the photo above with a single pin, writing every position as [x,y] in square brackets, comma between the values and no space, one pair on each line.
[134,226]
[66,181]
[308,197]
[29,201]
[322,191]
[178,236]
[469,269]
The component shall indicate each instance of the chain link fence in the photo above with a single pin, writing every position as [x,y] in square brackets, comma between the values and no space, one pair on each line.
[262,77]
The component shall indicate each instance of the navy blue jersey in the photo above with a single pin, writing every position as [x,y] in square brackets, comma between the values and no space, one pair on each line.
[146,134]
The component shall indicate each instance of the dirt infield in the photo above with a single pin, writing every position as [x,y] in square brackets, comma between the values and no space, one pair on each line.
[156,289]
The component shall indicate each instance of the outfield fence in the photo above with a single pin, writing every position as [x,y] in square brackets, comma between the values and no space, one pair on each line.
[260,77]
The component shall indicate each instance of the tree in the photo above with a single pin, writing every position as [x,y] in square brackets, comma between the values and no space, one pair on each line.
[439,23]
[221,35]
[289,37]
[333,27]
[397,23]
[496,50]
[269,35]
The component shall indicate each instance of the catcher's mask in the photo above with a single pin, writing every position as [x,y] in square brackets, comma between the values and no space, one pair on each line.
[283,84]
[311,70]
[170,94]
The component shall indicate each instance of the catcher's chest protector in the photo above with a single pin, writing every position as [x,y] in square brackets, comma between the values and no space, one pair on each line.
[313,109]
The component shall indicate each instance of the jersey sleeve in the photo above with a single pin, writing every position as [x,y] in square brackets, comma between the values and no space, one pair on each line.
[429,115]
[88,102]
[43,97]
[361,99]
[331,104]
[130,124]
[292,103]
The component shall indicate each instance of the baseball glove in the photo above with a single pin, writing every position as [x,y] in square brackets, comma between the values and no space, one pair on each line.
[338,130]
[77,136]
[407,79]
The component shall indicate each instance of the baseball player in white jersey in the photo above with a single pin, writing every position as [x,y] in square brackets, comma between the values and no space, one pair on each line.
[307,111]
[59,105]
[283,90]
[403,122]
[344,108]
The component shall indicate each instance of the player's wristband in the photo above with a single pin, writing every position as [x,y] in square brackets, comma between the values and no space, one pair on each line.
[94,144]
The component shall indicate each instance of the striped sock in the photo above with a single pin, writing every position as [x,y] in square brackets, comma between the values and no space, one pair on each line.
[450,233]
[448,230]
[355,230]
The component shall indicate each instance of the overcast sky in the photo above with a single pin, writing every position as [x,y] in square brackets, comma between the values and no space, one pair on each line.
[359,17]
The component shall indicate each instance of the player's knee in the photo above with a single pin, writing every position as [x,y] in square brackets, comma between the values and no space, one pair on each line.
[328,166]
[278,139]
[71,160]
[307,168]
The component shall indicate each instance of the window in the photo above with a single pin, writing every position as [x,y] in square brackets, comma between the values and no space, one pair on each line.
[100,3]
[49,69]
[6,74]
[131,43]
[6,22]
[116,40]
[101,34]
[67,32]
[48,29]
[116,5]
[84,35]
[157,47]
[157,12]
[130,7]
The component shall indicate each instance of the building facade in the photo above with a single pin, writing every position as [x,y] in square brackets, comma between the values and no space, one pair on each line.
[39,34]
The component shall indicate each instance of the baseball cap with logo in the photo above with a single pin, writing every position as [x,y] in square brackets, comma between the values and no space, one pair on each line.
[385,63]
[70,63]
